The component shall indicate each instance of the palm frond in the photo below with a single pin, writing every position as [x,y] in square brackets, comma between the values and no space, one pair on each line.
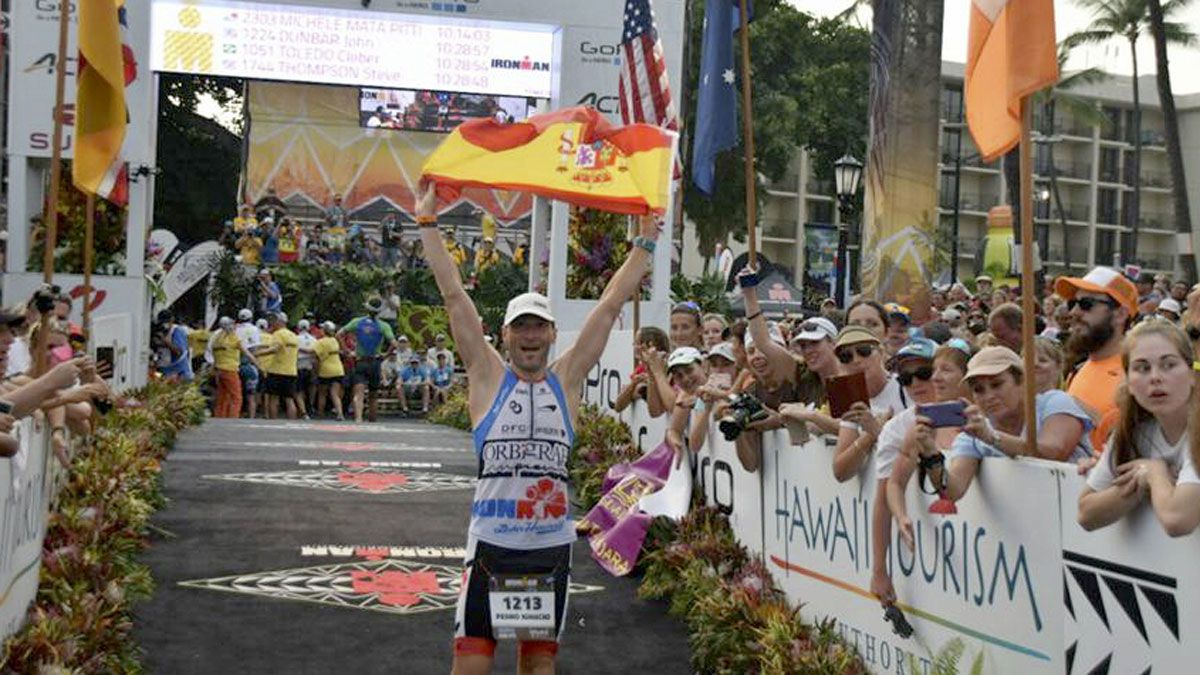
[1179,34]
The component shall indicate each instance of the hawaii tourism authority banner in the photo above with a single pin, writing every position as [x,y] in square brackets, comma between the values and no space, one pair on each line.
[27,482]
[900,216]
[983,577]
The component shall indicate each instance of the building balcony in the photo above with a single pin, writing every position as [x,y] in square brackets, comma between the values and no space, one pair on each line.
[779,228]
[1160,262]
[819,187]
[1157,221]
[1071,212]
[1079,170]
[1156,179]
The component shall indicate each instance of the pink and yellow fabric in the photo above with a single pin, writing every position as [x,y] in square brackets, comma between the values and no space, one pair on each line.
[574,155]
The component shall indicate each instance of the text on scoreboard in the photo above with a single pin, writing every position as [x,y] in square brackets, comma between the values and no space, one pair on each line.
[350,47]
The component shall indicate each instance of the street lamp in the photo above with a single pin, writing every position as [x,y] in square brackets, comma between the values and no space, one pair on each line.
[847,174]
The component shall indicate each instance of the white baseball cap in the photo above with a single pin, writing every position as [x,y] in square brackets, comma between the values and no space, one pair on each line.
[328,326]
[723,350]
[772,331]
[816,329]
[245,315]
[684,356]
[302,324]
[1170,305]
[528,303]
[225,322]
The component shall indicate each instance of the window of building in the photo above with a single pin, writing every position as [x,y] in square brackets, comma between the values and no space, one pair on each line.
[820,211]
[952,104]
[1110,165]
[1107,206]
[1106,247]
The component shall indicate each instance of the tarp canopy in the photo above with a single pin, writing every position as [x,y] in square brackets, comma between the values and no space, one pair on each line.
[776,296]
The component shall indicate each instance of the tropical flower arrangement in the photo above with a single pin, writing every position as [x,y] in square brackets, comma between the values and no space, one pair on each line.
[81,620]
[454,411]
[598,243]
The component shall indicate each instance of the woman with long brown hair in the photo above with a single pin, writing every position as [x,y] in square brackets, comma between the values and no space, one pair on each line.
[1151,452]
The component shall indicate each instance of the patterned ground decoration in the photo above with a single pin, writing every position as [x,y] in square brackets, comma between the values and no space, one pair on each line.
[389,585]
[373,480]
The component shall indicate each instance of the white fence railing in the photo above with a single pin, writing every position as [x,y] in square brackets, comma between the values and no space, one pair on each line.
[1011,574]
[28,484]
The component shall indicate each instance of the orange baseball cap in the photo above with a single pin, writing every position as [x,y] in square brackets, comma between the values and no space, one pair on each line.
[1104,280]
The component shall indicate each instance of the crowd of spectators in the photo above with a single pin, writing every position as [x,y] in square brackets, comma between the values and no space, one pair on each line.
[270,367]
[926,400]
[62,388]
[266,234]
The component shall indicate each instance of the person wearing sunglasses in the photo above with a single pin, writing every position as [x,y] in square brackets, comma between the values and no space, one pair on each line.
[996,422]
[949,368]
[1151,455]
[1102,304]
[859,350]
[914,367]
[778,376]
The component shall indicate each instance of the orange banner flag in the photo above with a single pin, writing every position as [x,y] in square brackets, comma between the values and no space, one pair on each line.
[574,155]
[1011,55]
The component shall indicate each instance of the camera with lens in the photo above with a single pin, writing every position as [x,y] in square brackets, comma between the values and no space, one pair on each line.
[45,297]
[743,410]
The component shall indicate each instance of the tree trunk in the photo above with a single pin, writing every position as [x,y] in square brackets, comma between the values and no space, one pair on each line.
[1135,198]
[1183,215]
[1062,215]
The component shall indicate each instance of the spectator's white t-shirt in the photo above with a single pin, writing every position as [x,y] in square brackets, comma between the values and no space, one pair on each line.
[891,441]
[1046,405]
[432,354]
[889,402]
[306,360]
[249,334]
[1151,444]
[19,358]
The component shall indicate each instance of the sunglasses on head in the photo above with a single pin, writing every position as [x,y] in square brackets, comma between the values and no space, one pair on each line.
[846,354]
[688,306]
[810,327]
[1086,304]
[923,373]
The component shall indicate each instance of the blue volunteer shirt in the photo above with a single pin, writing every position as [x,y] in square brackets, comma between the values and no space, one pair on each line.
[1050,403]
[412,374]
[181,366]
[442,376]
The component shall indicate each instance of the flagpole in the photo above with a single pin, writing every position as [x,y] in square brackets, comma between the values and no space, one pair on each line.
[748,134]
[50,212]
[1027,282]
[88,256]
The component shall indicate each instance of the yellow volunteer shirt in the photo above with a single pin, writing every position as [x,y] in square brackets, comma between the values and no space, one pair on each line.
[198,341]
[227,353]
[266,361]
[249,250]
[284,362]
[329,358]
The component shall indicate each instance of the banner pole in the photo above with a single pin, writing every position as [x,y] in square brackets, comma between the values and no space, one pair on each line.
[1027,282]
[748,135]
[50,207]
[88,257]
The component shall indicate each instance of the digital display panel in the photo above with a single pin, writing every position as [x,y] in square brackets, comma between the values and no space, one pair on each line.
[435,110]
[350,47]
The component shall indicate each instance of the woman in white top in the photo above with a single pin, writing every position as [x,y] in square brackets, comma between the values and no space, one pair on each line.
[914,365]
[1151,452]
[949,369]
[860,350]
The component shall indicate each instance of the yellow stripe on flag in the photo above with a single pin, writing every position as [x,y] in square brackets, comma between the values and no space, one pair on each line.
[1011,54]
[100,113]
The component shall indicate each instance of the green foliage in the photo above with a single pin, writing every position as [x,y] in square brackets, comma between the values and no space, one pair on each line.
[948,658]
[810,87]
[81,620]
[199,159]
[601,441]
[708,291]
[493,288]
[598,245]
[455,412]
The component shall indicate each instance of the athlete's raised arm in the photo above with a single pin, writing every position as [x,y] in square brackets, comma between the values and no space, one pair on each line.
[575,363]
[479,358]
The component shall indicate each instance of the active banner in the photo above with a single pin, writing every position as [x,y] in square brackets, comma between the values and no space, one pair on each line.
[26,487]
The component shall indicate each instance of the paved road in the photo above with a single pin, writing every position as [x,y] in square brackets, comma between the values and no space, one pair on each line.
[310,547]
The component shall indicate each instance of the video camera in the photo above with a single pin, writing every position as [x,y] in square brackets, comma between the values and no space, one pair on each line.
[743,410]
[45,297]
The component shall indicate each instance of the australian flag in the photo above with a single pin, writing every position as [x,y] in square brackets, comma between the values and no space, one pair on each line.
[716,106]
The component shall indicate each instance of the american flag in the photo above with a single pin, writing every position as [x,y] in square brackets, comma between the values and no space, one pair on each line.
[645,91]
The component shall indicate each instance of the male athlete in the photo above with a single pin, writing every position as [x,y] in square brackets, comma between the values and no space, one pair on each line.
[523,415]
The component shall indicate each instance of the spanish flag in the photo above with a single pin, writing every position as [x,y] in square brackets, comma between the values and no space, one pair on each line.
[574,155]
[1011,55]
[106,67]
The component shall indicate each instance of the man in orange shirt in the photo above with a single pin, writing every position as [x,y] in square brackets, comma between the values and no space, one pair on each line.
[1102,305]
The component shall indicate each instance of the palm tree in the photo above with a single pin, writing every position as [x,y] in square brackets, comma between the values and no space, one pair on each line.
[1084,112]
[1129,20]
[1165,32]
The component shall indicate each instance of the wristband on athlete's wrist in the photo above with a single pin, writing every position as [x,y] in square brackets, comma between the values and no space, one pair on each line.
[647,245]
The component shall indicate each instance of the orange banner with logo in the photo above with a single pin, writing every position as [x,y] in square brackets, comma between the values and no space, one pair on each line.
[574,155]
